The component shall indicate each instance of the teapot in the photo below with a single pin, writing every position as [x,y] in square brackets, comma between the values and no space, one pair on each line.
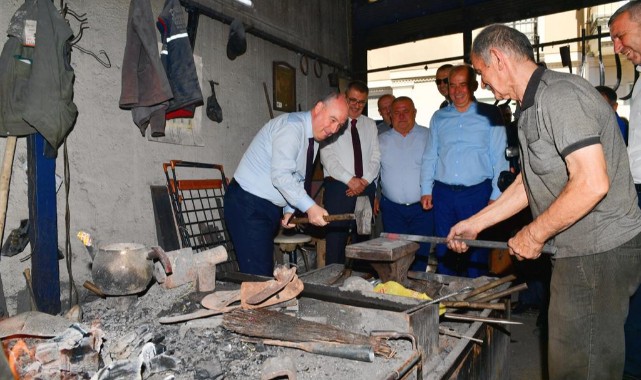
[125,268]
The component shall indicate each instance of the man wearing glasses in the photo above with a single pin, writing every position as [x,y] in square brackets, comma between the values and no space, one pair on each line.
[442,75]
[351,160]
[461,166]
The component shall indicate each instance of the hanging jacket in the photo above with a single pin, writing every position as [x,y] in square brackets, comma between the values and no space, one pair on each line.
[178,61]
[145,89]
[36,82]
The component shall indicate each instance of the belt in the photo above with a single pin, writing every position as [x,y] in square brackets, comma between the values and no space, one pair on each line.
[459,187]
[402,204]
[330,179]
[637,186]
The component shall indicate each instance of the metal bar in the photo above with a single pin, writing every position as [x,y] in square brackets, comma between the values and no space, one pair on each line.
[503,293]
[216,15]
[475,318]
[473,305]
[43,232]
[490,285]
[461,58]
[472,243]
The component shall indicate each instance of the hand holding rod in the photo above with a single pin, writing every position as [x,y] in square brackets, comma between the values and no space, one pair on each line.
[328,218]
[470,242]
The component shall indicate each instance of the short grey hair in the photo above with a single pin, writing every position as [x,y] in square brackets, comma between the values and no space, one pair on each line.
[633,8]
[403,99]
[507,39]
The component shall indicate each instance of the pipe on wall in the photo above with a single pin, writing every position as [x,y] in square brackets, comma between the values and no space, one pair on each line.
[195,7]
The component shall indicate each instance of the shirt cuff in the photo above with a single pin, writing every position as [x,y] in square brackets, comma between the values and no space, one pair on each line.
[305,204]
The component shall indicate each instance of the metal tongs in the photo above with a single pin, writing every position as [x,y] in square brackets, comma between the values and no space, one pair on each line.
[435,300]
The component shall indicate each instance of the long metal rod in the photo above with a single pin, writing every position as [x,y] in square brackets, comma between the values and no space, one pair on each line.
[460,57]
[472,243]
[490,285]
[474,318]
[216,15]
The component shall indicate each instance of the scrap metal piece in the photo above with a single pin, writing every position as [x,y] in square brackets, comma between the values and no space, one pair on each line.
[267,289]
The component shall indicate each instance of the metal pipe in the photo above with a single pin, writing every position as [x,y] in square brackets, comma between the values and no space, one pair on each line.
[460,57]
[224,18]
[360,352]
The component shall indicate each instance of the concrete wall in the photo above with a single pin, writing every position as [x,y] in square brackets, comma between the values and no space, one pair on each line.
[112,166]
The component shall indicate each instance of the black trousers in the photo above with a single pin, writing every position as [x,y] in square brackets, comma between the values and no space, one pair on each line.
[337,202]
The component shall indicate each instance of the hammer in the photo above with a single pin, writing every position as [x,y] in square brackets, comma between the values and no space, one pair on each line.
[362,214]
[328,218]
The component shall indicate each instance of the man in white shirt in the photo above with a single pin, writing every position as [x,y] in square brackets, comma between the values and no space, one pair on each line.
[351,161]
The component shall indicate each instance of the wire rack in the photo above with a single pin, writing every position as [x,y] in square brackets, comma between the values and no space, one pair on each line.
[197,204]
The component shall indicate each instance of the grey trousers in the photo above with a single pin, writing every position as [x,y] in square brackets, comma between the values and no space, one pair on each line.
[588,307]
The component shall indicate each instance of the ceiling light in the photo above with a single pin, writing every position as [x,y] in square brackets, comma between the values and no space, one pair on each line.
[247,3]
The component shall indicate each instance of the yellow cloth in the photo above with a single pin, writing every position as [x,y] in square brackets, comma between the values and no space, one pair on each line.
[394,288]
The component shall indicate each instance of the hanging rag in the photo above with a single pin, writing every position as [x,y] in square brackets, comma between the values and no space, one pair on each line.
[145,88]
[36,77]
[363,212]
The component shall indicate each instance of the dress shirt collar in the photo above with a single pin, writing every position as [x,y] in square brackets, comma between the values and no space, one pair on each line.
[413,130]
[532,86]
[309,131]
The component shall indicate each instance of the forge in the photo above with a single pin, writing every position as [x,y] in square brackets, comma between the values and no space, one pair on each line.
[120,337]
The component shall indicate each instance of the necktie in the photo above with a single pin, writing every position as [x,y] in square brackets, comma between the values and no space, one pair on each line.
[358,154]
[309,168]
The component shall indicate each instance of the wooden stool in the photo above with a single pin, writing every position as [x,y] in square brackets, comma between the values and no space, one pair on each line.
[291,245]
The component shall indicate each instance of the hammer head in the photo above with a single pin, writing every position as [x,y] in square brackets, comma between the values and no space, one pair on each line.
[363,215]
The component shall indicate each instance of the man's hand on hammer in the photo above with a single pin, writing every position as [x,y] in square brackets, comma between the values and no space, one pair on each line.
[285,221]
[316,214]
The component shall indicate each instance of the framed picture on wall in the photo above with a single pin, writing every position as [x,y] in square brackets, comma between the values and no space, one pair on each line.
[284,87]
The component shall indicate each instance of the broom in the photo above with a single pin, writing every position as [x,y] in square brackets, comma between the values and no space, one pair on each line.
[268,324]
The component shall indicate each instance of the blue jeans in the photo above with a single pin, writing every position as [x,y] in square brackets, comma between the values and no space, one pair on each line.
[451,205]
[633,328]
[253,223]
[409,219]
[588,306]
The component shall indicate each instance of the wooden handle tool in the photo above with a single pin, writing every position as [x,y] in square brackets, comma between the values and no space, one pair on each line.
[328,218]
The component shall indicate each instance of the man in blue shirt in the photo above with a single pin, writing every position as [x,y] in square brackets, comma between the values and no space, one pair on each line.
[271,176]
[401,154]
[610,96]
[461,166]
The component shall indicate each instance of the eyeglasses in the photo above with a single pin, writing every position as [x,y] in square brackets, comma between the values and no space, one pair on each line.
[444,81]
[353,101]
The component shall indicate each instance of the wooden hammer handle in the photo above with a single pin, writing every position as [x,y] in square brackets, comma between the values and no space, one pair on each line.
[328,218]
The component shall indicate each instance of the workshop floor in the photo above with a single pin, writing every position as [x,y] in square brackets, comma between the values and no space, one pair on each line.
[528,355]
